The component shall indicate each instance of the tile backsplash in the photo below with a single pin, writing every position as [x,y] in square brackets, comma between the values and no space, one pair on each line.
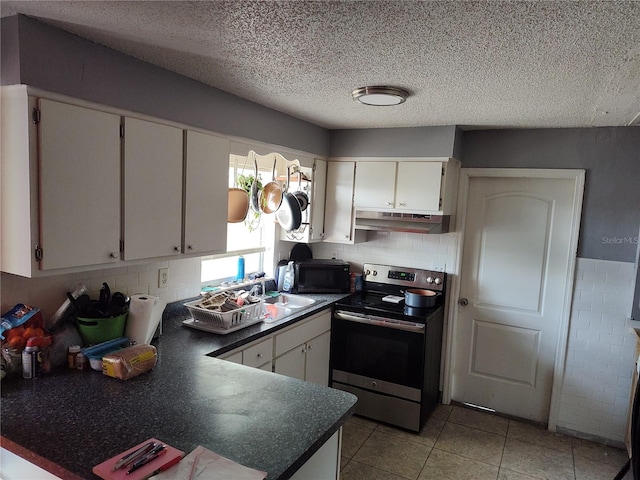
[431,252]
[48,293]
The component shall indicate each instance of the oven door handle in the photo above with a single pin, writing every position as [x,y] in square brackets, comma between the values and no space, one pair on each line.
[380,321]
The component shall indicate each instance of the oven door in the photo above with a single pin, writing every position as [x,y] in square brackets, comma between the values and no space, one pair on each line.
[382,354]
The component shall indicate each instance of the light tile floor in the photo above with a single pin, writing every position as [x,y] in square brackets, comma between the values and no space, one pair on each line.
[458,443]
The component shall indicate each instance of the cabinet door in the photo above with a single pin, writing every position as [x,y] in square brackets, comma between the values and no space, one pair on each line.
[418,186]
[317,366]
[206,178]
[258,354]
[375,184]
[79,164]
[303,332]
[292,363]
[317,200]
[235,357]
[338,214]
[152,189]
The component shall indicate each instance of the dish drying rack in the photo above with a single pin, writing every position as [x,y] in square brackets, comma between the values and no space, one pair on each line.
[219,313]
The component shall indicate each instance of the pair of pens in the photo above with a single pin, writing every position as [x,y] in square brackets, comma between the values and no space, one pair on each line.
[133,456]
[167,466]
[149,457]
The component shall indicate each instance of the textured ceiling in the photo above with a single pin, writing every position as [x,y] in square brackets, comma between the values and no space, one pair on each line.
[477,64]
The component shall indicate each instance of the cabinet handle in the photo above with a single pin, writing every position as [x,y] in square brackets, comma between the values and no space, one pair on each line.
[177,249]
[347,237]
[114,254]
[389,204]
[259,355]
[402,204]
[304,350]
[309,347]
[190,247]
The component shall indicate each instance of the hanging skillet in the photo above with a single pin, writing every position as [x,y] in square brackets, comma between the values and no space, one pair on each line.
[300,195]
[271,195]
[289,214]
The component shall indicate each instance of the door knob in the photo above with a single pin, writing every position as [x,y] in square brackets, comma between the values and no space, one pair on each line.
[463,302]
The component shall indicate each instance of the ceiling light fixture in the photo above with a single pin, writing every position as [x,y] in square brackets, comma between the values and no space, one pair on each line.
[380,95]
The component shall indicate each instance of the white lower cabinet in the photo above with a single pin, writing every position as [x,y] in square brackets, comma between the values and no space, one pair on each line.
[303,351]
[309,361]
[300,351]
[325,463]
[258,354]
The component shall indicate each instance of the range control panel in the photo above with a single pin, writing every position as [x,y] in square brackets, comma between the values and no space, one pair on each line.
[404,277]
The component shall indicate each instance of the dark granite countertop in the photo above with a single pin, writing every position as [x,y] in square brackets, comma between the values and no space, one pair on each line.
[259,419]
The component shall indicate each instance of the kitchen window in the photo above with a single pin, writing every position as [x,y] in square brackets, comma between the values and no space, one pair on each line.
[254,238]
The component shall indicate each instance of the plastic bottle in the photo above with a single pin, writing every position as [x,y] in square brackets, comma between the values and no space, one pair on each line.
[289,278]
[74,350]
[240,275]
[81,361]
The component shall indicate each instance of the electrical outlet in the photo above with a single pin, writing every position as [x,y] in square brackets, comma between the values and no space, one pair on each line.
[163,278]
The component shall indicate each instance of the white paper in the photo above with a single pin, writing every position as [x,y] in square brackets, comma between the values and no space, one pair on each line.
[203,464]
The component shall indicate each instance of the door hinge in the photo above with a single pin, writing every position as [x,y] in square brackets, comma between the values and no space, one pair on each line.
[38,253]
[36,116]
[121,131]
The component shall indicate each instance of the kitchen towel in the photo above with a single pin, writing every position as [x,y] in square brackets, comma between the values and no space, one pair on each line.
[145,313]
[203,464]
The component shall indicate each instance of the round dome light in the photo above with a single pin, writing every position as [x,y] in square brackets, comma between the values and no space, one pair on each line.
[380,95]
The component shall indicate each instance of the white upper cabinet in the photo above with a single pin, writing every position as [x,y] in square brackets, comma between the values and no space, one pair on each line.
[375,184]
[152,189]
[424,186]
[60,185]
[205,209]
[338,214]
[79,160]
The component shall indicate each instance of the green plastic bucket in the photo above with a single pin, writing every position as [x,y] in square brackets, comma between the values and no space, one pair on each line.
[98,330]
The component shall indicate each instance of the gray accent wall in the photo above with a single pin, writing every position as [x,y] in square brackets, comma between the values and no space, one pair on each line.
[54,60]
[611,158]
[394,142]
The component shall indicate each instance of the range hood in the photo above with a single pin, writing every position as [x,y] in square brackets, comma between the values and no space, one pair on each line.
[402,222]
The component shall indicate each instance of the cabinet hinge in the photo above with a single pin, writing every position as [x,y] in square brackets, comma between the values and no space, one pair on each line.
[36,116]
[440,205]
[38,253]
[443,171]
[121,131]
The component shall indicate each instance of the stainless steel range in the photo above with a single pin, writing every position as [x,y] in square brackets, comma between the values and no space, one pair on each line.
[386,353]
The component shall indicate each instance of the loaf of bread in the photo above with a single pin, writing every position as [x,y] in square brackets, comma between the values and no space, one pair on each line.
[130,362]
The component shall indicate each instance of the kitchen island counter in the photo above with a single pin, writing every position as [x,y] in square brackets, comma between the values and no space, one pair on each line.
[265,421]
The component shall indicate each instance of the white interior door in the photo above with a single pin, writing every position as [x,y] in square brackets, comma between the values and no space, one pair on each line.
[517,263]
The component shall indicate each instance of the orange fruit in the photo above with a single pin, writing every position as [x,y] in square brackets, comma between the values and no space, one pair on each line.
[14,332]
[30,332]
[18,343]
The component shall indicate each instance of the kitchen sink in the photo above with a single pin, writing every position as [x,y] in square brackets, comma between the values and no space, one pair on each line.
[291,301]
[284,305]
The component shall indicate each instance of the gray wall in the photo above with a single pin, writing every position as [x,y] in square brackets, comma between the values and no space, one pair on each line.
[45,57]
[395,142]
[56,61]
[611,157]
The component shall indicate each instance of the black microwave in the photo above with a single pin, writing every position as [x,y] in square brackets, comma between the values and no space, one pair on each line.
[322,276]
